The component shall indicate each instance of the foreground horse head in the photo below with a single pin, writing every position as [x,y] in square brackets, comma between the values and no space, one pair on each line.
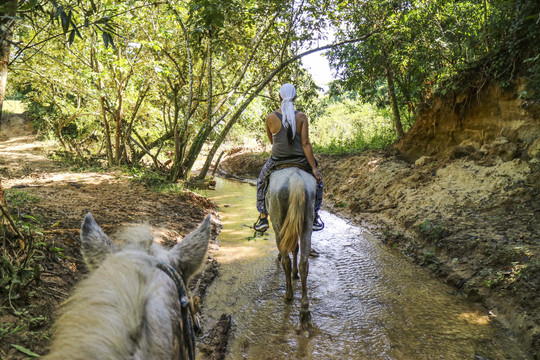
[291,200]
[133,304]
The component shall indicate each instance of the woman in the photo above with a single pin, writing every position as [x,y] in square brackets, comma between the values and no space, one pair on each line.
[287,130]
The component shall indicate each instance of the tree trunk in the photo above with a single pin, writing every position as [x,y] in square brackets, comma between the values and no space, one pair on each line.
[216,165]
[118,132]
[127,134]
[393,100]
[177,170]
[119,113]
[7,22]
[180,135]
[110,158]
[206,128]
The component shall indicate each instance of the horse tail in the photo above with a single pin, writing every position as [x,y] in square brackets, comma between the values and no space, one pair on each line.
[292,225]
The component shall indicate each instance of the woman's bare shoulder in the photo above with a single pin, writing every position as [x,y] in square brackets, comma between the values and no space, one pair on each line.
[272,117]
[273,123]
[300,116]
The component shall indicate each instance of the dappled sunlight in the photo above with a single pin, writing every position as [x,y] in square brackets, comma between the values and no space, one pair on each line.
[67,177]
[232,195]
[373,164]
[475,318]
[23,143]
[84,178]
[237,204]
[23,157]
[231,235]
[238,253]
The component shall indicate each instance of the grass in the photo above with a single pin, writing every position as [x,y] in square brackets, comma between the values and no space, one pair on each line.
[18,198]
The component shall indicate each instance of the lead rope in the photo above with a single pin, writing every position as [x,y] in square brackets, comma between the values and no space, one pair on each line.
[188,333]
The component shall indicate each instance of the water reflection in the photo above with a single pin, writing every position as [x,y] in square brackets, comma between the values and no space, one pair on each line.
[367,301]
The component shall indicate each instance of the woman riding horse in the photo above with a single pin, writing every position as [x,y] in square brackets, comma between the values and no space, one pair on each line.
[288,149]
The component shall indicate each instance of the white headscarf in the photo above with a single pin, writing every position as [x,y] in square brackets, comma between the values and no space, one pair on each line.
[288,93]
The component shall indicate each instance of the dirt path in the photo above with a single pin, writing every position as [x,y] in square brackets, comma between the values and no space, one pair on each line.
[57,198]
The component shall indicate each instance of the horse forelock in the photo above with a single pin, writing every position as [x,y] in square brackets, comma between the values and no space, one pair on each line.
[136,237]
[125,309]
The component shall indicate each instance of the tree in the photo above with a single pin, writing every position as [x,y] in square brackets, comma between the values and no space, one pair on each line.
[181,74]
[71,16]
[421,43]
[7,23]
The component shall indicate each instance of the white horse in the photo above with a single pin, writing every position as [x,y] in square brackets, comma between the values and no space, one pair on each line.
[133,304]
[290,199]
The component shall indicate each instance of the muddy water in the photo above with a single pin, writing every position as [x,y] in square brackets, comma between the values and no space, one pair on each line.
[367,301]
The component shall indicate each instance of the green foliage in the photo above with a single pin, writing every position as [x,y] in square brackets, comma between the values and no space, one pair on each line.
[429,256]
[347,125]
[427,45]
[19,269]
[17,198]
[157,182]
[43,116]
[21,258]
[432,231]
[19,330]
[69,17]
[25,350]
[181,74]
[77,162]
[184,73]
[9,329]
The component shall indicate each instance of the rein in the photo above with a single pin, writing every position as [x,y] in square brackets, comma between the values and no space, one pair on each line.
[187,324]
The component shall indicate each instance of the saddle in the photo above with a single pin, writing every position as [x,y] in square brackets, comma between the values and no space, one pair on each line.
[301,166]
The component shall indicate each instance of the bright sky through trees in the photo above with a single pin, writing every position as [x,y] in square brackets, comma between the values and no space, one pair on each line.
[317,64]
[319,68]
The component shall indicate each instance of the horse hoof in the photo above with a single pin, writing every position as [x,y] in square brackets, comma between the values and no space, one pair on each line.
[305,319]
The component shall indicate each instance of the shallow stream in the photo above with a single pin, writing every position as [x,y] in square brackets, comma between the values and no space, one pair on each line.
[367,301]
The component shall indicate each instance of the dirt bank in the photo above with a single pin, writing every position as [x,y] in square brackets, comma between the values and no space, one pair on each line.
[469,211]
[55,199]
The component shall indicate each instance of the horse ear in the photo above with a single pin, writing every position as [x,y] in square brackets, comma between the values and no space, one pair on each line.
[95,244]
[189,255]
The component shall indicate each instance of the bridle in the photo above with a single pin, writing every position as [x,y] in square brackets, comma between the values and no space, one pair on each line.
[187,322]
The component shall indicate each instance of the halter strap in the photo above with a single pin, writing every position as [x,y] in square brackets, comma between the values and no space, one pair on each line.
[187,325]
